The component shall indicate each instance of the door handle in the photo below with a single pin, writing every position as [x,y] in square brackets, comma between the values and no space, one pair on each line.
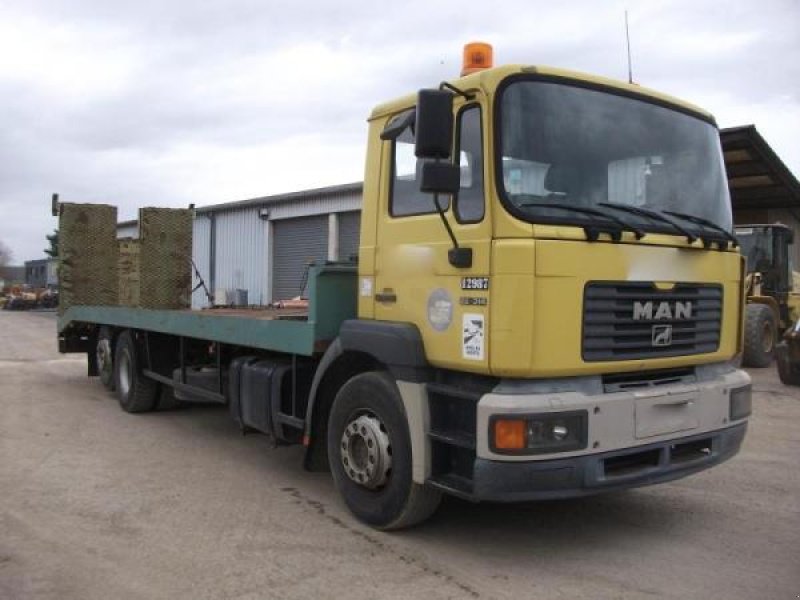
[386,296]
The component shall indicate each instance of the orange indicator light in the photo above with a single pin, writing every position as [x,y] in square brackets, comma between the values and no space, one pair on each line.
[509,434]
[477,56]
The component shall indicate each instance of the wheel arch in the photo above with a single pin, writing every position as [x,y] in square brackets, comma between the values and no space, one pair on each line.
[362,346]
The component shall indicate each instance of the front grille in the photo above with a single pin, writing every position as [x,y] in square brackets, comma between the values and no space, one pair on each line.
[620,382]
[610,331]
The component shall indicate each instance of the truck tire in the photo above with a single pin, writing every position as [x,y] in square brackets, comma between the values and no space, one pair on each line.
[104,356]
[789,374]
[369,452]
[135,392]
[760,333]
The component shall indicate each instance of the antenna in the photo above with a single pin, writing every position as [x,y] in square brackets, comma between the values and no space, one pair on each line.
[628,44]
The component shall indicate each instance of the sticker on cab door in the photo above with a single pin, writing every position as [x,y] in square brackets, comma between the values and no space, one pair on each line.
[366,286]
[473,335]
[440,309]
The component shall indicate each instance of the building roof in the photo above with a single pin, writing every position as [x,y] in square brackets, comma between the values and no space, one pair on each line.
[757,177]
[39,261]
[347,188]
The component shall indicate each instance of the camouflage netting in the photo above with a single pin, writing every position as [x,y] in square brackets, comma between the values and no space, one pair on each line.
[128,272]
[87,255]
[165,252]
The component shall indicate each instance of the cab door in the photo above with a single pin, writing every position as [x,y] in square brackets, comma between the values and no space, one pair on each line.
[414,280]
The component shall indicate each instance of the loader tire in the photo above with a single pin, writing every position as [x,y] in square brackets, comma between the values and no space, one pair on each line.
[135,392]
[760,335]
[789,374]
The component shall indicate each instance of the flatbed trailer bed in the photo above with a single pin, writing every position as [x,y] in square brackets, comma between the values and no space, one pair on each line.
[332,299]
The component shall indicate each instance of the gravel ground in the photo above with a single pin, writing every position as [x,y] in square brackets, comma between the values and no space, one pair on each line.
[97,503]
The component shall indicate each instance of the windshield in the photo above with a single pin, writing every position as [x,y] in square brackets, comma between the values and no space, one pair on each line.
[582,148]
[756,246]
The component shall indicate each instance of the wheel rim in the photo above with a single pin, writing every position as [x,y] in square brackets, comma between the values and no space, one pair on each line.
[366,452]
[104,363]
[124,373]
[767,338]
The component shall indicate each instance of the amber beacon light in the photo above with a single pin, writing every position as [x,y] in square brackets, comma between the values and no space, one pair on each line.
[477,56]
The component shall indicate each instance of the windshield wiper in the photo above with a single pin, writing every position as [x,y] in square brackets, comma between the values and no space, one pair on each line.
[591,231]
[652,214]
[723,244]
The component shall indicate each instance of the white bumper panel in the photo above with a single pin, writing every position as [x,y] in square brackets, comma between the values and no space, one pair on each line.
[623,419]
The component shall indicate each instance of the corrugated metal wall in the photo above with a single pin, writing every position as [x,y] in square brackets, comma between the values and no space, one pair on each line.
[128,230]
[242,257]
[349,230]
[296,242]
[316,204]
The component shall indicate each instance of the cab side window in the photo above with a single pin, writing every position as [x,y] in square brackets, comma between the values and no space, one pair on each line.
[406,197]
[469,205]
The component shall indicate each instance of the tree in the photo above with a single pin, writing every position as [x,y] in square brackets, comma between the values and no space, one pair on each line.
[52,251]
[5,254]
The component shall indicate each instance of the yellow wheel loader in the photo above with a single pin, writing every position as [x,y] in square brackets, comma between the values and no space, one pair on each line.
[771,304]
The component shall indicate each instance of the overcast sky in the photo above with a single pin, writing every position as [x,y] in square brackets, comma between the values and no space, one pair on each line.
[164,103]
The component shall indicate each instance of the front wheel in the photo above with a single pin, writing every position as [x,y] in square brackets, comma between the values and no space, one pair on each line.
[369,451]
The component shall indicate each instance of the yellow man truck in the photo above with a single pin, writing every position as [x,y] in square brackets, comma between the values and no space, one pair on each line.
[547,303]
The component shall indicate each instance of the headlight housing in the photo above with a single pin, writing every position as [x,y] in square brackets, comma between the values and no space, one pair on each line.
[741,402]
[538,434]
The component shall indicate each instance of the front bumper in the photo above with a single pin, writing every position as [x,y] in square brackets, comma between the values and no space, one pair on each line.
[502,481]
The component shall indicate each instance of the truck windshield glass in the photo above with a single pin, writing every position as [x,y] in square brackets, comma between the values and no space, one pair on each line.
[581,147]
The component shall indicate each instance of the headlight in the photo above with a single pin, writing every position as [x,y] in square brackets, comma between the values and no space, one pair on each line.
[741,402]
[538,434]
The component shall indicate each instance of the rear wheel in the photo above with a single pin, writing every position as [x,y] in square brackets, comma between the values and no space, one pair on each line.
[104,355]
[135,392]
[760,333]
[369,451]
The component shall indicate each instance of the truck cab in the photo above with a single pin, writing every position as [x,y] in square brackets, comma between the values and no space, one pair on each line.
[589,341]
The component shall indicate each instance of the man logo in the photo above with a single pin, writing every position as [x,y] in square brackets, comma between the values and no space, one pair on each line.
[652,311]
[662,335]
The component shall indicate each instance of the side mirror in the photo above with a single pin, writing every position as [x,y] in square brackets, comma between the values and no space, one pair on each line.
[434,124]
[440,178]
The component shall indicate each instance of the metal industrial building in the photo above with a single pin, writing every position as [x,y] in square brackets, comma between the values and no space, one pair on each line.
[42,273]
[262,245]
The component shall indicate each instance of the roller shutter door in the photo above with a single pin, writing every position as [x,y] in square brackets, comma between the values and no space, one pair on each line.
[295,243]
[349,227]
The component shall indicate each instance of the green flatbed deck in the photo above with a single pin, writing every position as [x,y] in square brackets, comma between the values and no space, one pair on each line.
[332,299]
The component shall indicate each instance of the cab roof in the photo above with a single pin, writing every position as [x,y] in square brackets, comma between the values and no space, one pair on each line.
[489,79]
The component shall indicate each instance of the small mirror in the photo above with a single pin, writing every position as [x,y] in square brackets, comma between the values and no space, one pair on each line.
[434,124]
[440,178]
